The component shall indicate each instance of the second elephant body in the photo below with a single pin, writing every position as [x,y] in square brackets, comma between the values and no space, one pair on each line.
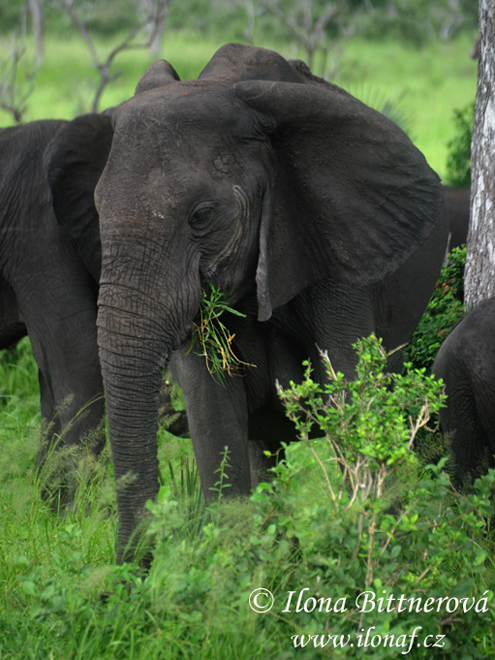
[457,209]
[46,290]
[49,272]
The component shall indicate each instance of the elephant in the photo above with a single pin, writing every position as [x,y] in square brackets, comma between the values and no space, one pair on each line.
[466,363]
[457,209]
[47,291]
[49,285]
[313,214]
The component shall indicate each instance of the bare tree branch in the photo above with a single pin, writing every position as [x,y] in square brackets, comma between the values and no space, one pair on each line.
[443,17]
[307,28]
[155,29]
[251,13]
[17,75]
[36,10]
[156,12]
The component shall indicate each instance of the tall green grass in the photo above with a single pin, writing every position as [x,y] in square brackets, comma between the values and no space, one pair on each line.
[427,82]
[51,547]
[336,521]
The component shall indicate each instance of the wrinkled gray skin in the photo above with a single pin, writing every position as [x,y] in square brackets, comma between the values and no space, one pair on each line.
[457,209]
[466,362]
[315,214]
[46,289]
[48,279]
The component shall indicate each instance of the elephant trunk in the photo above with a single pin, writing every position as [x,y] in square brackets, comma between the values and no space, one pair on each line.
[137,331]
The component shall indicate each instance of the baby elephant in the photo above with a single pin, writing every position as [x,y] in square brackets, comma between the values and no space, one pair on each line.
[466,362]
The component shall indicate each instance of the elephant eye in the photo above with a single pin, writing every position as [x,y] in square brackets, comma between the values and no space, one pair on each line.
[202,217]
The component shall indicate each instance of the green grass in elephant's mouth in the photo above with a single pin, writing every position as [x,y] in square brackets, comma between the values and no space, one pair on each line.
[212,339]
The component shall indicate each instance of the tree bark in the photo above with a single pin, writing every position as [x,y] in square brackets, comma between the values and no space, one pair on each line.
[480,262]
[36,9]
[155,28]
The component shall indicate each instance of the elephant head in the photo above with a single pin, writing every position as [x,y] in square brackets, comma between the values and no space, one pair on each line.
[256,177]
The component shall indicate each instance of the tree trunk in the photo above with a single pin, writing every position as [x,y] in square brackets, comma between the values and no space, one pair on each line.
[156,27]
[156,43]
[36,10]
[480,261]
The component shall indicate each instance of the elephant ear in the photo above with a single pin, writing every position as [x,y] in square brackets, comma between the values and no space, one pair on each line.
[305,75]
[73,162]
[235,62]
[158,74]
[351,198]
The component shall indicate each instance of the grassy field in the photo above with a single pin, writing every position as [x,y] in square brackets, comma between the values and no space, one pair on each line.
[426,83]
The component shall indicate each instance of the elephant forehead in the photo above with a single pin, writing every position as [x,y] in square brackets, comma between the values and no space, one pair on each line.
[188,182]
[181,112]
[183,156]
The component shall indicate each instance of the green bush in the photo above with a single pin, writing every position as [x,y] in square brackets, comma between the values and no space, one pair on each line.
[348,532]
[444,311]
[459,149]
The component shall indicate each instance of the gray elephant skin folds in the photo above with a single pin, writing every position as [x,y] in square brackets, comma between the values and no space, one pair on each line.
[466,363]
[314,214]
[47,288]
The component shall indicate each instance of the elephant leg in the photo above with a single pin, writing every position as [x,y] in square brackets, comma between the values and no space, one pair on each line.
[12,329]
[465,434]
[217,418]
[71,390]
[72,394]
[466,363]
[72,410]
[51,428]
[60,316]
[52,475]
[468,420]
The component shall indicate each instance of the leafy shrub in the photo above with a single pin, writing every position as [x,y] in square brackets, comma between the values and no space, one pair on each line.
[459,157]
[418,21]
[444,311]
[349,530]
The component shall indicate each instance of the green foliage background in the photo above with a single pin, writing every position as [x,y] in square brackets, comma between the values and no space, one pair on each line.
[423,76]
[444,311]
[459,157]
